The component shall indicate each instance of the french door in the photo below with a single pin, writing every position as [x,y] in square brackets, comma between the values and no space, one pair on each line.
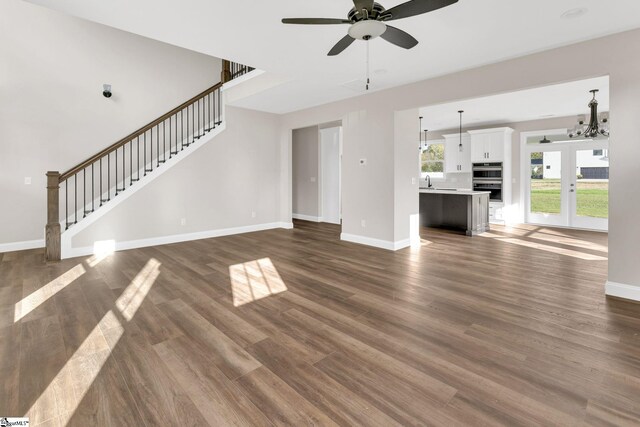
[568,185]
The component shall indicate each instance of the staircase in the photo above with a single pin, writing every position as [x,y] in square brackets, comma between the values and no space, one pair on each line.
[98,181]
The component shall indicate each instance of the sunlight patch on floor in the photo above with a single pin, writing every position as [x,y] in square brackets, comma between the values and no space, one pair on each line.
[101,250]
[84,366]
[548,248]
[552,236]
[254,280]
[133,296]
[38,297]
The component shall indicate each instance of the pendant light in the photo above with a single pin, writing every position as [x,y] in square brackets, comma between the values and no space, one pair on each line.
[460,147]
[598,126]
[420,134]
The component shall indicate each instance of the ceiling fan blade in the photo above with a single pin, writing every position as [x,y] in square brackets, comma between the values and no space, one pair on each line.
[363,4]
[416,7]
[399,37]
[315,21]
[344,43]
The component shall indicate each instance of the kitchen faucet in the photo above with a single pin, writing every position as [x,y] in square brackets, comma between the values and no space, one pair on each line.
[428,181]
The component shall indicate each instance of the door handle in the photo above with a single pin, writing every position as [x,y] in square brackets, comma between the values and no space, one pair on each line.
[572,190]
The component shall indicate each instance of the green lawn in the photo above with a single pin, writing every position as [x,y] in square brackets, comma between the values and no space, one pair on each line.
[592,198]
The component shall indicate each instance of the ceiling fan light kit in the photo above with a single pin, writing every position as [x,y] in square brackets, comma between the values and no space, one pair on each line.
[368,21]
[367,30]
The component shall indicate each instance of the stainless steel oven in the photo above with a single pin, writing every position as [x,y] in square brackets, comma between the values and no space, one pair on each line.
[488,177]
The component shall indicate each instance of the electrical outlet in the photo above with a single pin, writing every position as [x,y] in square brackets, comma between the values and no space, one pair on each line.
[413,181]
[513,180]
[363,223]
[27,180]
[313,179]
[183,221]
[253,214]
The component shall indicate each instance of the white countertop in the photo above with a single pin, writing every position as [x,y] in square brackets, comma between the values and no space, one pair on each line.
[461,192]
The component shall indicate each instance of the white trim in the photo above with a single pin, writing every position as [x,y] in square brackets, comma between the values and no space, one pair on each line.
[377,243]
[21,246]
[66,237]
[243,78]
[622,290]
[176,238]
[307,217]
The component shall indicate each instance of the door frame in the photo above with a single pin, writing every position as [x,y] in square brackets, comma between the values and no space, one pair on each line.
[568,217]
[321,214]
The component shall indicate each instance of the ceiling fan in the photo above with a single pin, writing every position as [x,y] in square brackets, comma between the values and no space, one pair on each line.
[368,20]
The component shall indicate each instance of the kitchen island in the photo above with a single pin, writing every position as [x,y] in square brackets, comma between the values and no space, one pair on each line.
[464,210]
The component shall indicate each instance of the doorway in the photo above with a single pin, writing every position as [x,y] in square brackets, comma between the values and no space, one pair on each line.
[568,183]
[316,173]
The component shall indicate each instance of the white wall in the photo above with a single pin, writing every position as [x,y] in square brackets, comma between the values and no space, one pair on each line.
[368,120]
[218,187]
[305,161]
[52,112]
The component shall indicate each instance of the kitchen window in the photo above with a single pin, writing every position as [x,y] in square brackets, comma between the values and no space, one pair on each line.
[432,161]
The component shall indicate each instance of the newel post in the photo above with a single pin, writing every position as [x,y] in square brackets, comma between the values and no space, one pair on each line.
[226,71]
[52,229]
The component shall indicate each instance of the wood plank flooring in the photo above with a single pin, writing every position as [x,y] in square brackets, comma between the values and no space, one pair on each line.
[294,327]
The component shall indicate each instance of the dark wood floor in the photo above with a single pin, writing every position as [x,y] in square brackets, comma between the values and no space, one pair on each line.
[294,327]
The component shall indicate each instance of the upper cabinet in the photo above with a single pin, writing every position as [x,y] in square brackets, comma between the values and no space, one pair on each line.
[490,145]
[456,160]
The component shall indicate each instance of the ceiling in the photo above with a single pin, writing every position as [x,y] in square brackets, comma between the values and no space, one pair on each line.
[559,100]
[465,35]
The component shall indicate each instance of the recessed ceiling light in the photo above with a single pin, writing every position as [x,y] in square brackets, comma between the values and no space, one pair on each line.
[575,13]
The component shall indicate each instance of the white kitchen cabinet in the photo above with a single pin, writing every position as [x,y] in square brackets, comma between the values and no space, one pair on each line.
[494,146]
[496,213]
[490,145]
[456,161]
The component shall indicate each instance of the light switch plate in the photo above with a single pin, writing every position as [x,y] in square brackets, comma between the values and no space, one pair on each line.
[313,179]
[27,180]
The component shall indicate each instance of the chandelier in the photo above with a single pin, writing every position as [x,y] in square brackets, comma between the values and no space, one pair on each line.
[598,126]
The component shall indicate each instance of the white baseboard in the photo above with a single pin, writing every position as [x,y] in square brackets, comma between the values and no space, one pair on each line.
[307,217]
[622,290]
[176,238]
[377,243]
[21,246]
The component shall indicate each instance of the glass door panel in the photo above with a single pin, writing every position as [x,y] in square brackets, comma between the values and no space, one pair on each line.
[546,188]
[591,199]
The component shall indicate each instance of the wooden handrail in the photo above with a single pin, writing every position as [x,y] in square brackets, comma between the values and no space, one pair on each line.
[135,134]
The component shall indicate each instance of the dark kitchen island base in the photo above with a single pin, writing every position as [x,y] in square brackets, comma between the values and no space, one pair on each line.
[467,211]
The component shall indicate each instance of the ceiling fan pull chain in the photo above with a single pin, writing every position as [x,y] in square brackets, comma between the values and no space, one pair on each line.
[368,80]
